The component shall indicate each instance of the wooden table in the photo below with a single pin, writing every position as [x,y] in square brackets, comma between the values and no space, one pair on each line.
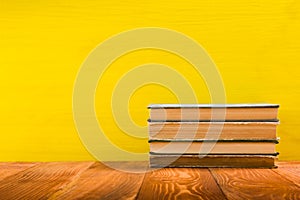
[93,180]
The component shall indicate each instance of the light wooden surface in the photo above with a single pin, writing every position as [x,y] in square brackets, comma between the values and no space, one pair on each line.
[93,180]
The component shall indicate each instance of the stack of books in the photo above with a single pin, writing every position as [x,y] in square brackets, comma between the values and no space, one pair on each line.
[213,135]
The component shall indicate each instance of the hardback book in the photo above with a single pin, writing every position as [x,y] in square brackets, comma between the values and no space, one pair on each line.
[213,112]
[212,130]
[189,146]
[253,161]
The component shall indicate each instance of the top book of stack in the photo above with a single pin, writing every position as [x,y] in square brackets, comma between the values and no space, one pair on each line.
[213,112]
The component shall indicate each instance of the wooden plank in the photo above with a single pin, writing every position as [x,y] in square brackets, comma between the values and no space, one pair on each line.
[102,182]
[180,183]
[288,164]
[88,180]
[11,168]
[42,180]
[255,184]
[291,174]
[290,171]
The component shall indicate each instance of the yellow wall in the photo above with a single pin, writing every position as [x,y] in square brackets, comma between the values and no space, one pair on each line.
[255,44]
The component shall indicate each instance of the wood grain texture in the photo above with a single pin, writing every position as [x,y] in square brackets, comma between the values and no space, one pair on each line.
[102,182]
[176,183]
[290,171]
[292,174]
[41,181]
[288,164]
[11,168]
[90,180]
[255,184]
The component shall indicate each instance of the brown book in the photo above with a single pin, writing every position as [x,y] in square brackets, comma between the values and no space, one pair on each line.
[253,161]
[213,112]
[213,130]
[266,147]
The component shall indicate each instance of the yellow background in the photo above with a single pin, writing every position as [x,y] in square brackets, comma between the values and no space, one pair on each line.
[255,45]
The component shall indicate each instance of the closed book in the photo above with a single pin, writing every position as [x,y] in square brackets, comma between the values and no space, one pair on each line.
[212,130]
[187,146]
[253,161]
[213,112]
